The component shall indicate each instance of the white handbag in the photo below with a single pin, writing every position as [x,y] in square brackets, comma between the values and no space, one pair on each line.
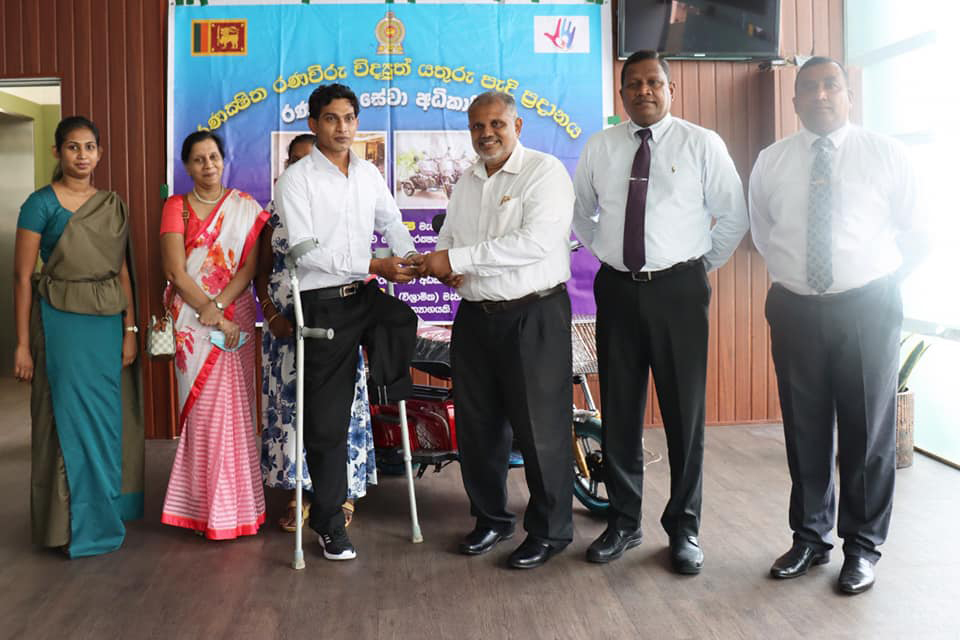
[160,340]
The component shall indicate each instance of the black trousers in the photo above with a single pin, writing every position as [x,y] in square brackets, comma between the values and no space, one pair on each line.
[387,328]
[513,369]
[836,358]
[660,325]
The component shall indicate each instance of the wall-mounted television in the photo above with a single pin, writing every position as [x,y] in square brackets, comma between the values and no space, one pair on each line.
[698,29]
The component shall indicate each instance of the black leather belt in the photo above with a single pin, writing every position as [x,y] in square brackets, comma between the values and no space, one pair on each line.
[647,276]
[839,296]
[496,306]
[342,291]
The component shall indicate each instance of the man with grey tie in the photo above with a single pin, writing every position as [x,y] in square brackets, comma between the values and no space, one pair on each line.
[647,191]
[833,210]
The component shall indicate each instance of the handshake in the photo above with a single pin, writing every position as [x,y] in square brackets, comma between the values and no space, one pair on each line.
[417,265]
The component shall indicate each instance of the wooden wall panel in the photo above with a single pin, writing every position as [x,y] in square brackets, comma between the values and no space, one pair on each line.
[110,58]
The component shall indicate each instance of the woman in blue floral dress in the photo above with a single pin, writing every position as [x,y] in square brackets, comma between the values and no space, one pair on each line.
[277,459]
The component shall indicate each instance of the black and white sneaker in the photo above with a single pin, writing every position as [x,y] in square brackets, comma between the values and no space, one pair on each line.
[336,545]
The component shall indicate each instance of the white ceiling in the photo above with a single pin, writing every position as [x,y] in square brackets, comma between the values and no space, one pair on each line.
[39,95]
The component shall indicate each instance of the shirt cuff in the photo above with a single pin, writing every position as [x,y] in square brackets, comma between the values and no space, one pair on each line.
[460,261]
[360,265]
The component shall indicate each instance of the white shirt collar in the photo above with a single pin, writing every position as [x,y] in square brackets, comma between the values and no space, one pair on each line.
[657,129]
[324,163]
[836,137]
[513,164]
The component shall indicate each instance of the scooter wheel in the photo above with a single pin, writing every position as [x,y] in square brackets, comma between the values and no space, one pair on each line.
[590,490]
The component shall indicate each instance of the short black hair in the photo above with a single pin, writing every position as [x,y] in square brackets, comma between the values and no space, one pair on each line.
[303,137]
[816,61]
[199,136]
[639,56]
[327,93]
[72,123]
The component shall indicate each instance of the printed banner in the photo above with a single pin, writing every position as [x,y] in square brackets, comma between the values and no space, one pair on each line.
[246,72]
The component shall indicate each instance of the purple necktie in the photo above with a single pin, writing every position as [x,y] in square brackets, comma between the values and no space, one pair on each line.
[633,250]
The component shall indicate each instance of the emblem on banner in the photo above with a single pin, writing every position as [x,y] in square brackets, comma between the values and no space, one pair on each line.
[561,34]
[390,33]
[219,38]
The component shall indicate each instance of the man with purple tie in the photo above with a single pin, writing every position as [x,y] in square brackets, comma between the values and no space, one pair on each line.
[647,192]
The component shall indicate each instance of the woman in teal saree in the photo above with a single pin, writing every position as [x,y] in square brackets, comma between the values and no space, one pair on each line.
[77,344]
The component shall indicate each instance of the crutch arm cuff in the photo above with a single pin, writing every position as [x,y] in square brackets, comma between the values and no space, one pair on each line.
[299,250]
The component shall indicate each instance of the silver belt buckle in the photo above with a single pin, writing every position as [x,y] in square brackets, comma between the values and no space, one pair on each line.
[641,276]
[349,289]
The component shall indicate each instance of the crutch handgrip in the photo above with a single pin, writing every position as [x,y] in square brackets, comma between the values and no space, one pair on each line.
[312,332]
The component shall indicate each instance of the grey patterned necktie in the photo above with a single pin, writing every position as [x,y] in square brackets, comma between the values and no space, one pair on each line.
[819,257]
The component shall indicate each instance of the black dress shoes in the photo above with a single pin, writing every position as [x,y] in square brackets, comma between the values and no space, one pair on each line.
[686,555]
[856,575]
[797,561]
[612,543]
[481,540]
[531,554]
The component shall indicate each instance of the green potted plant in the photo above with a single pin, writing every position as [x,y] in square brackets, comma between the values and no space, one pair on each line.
[905,402]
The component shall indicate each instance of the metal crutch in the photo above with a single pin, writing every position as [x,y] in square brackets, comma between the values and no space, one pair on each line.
[291,259]
[416,536]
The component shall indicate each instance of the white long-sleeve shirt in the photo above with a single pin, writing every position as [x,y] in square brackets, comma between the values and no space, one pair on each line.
[316,200]
[509,233]
[692,179]
[874,207]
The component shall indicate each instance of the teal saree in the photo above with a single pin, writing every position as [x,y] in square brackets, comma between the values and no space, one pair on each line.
[87,431]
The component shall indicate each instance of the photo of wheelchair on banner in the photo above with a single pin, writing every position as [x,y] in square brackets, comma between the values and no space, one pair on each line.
[427,177]
[435,173]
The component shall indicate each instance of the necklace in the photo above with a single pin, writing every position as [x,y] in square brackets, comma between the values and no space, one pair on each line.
[214,201]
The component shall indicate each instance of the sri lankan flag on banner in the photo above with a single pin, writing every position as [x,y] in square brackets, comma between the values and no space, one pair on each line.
[219,38]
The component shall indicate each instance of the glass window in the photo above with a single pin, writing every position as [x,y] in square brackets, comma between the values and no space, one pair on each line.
[908,90]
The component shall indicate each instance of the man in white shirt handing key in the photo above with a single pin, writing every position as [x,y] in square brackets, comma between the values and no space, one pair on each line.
[505,246]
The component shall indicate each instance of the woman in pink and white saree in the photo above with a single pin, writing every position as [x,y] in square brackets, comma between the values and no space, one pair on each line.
[209,245]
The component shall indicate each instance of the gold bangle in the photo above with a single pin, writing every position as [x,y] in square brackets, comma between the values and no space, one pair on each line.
[272,318]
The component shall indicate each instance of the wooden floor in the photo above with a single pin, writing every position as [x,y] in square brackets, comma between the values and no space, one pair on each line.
[167,583]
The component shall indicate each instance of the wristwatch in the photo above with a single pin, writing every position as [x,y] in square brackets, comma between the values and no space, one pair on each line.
[132,329]
[218,304]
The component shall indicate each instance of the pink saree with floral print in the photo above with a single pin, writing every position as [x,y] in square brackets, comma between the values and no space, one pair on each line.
[215,486]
